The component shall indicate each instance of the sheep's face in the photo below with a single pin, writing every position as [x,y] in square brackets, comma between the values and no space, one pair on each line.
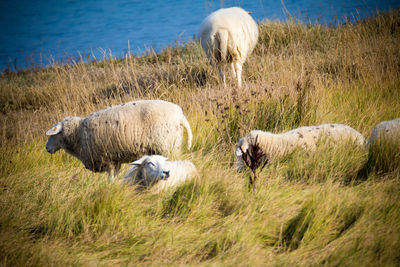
[241,148]
[152,168]
[155,170]
[55,141]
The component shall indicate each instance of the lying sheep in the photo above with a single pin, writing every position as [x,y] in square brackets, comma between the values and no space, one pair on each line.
[228,35]
[278,145]
[158,172]
[385,131]
[120,134]
[384,147]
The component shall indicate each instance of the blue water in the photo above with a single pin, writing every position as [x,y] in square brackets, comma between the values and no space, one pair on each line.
[37,33]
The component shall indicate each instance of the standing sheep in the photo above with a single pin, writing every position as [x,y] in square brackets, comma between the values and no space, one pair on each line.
[158,171]
[120,134]
[228,35]
[277,145]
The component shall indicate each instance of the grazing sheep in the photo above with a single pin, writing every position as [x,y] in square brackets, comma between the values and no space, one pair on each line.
[120,134]
[385,131]
[278,145]
[228,35]
[158,171]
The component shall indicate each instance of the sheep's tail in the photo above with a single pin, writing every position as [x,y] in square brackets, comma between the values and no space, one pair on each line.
[186,125]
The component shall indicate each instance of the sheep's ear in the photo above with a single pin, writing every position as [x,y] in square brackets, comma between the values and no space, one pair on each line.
[135,163]
[138,162]
[240,150]
[55,129]
[241,147]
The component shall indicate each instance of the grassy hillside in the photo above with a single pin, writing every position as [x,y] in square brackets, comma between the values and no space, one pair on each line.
[333,207]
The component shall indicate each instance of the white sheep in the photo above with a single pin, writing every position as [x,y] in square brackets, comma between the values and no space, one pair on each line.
[385,131]
[158,172]
[277,145]
[121,134]
[228,35]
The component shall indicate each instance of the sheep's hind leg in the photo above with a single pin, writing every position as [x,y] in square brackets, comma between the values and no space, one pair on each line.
[233,70]
[222,76]
[238,68]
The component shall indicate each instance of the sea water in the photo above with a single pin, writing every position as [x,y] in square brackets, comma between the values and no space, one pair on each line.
[43,32]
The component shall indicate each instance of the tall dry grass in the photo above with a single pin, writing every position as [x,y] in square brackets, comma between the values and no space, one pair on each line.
[334,207]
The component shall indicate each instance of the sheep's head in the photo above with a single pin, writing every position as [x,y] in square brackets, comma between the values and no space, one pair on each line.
[241,148]
[249,153]
[55,139]
[58,132]
[150,169]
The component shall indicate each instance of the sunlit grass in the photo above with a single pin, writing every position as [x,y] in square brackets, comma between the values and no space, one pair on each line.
[337,206]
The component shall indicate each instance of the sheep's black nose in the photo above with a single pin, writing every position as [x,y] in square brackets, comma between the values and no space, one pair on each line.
[166,173]
[51,151]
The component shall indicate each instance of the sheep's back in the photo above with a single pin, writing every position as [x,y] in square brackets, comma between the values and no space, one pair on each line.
[181,170]
[238,25]
[308,136]
[125,132]
[386,130]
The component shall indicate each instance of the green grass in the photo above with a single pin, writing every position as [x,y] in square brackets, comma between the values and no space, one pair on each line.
[337,206]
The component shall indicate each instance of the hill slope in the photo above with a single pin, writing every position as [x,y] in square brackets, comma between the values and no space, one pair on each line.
[334,207]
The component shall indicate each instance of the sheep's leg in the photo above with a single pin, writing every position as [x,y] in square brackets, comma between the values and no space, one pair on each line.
[233,70]
[222,75]
[238,68]
[110,175]
[114,171]
[117,168]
